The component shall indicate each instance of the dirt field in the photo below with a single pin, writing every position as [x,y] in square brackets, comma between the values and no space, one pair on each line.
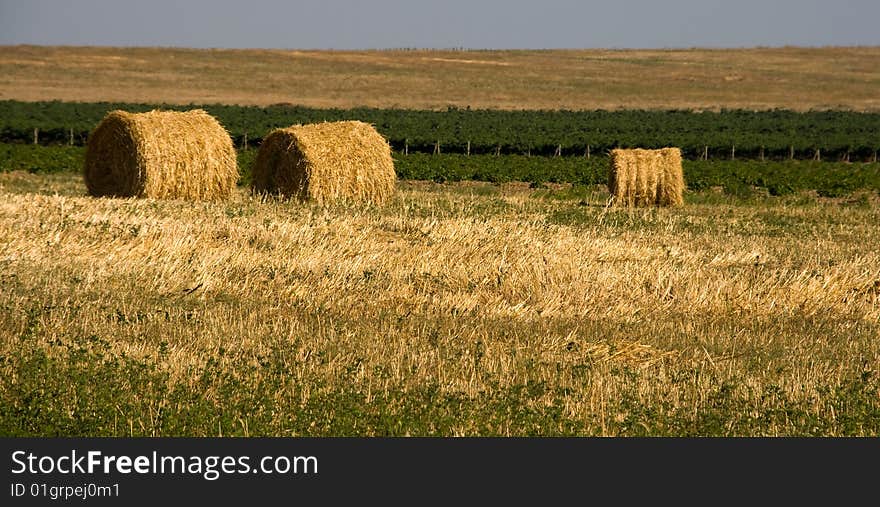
[794,78]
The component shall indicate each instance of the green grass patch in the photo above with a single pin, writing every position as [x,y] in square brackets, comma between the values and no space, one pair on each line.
[79,388]
[745,180]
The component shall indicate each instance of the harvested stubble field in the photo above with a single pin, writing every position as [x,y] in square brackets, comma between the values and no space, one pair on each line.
[760,78]
[459,309]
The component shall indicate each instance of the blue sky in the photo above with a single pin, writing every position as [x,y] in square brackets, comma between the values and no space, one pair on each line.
[494,24]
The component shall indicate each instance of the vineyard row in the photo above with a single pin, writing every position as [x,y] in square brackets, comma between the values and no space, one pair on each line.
[777,135]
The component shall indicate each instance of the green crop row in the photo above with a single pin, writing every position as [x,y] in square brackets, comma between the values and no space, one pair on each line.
[775,134]
[736,177]
[40,159]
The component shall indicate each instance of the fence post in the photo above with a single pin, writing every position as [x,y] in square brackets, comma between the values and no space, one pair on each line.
[791,152]
[245,141]
[817,156]
[587,154]
[762,153]
[406,146]
[498,151]
[874,158]
[469,149]
[36,135]
[733,152]
[705,153]
[71,137]
[437,148]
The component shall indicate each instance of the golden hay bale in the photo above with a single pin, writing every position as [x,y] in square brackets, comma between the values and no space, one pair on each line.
[646,177]
[160,154]
[329,161]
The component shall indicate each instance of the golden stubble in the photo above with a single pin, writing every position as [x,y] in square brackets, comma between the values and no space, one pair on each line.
[435,289]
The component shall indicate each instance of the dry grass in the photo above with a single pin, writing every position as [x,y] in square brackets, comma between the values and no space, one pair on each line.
[766,78]
[160,154]
[619,319]
[326,162]
[640,177]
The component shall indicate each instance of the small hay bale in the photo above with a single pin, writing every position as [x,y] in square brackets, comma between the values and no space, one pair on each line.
[326,162]
[646,177]
[161,155]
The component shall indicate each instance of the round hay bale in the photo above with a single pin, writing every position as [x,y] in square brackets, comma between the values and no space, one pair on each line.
[162,155]
[326,162]
[640,177]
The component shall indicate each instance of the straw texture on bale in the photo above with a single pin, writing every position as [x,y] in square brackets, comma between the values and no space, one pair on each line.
[326,162]
[162,155]
[646,177]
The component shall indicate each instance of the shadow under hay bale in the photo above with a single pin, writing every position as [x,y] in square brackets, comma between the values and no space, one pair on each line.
[161,155]
[326,162]
[640,177]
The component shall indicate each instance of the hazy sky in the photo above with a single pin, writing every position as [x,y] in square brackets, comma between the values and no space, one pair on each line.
[350,24]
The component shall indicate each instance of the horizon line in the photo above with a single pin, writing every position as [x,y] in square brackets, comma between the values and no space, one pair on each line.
[451,48]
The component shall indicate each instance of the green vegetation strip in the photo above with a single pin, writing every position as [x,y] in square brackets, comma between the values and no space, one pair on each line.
[740,178]
[744,134]
[81,388]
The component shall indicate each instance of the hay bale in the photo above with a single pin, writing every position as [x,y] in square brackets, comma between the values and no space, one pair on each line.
[162,155]
[326,162]
[646,177]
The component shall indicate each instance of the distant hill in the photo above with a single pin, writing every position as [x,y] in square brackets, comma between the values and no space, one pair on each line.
[761,78]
